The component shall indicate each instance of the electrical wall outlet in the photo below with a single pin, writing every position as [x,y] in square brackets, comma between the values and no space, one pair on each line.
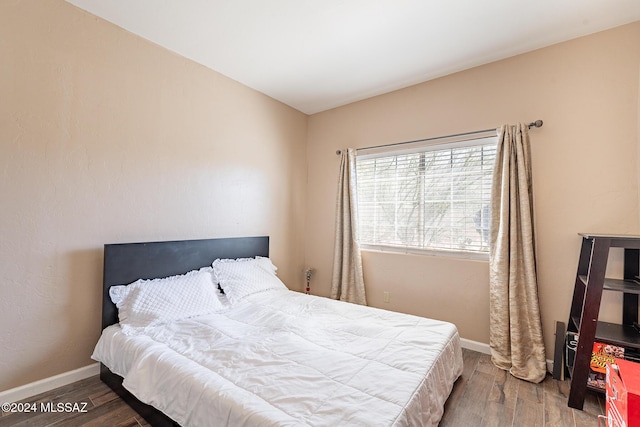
[386,296]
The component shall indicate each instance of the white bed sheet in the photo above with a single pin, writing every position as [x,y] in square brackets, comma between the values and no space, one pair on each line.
[282,358]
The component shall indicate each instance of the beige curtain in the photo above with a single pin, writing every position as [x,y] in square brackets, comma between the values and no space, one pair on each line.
[515,330]
[347,283]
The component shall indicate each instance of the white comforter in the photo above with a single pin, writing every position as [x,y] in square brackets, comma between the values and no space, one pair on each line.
[281,358]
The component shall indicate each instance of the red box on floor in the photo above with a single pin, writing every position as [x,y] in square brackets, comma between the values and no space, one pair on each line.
[623,394]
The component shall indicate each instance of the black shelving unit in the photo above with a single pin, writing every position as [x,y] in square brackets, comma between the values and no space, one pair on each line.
[585,306]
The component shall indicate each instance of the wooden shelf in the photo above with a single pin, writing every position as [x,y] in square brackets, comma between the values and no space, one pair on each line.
[596,389]
[585,306]
[575,321]
[618,285]
[620,335]
[616,240]
[626,286]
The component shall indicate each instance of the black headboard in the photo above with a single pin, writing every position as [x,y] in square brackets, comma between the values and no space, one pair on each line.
[127,262]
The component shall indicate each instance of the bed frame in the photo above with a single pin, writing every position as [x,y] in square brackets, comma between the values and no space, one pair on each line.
[127,262]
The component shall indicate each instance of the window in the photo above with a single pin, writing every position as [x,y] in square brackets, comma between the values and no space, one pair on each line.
[429,197]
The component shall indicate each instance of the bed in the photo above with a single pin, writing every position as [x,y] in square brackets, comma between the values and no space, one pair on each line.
[272,357]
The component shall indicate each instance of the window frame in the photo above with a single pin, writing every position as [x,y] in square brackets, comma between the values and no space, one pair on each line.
[482,138]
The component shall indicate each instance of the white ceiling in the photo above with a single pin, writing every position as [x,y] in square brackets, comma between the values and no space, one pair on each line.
[318,54]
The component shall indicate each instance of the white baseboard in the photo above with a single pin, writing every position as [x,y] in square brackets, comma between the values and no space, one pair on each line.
[481,347]
[549,365]
[47,384]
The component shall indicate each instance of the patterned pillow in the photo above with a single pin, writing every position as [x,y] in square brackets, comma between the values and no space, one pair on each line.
[146,303]
[242,277]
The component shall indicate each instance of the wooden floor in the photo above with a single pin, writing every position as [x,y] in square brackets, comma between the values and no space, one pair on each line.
[103,408]
[483,396]
[487,396]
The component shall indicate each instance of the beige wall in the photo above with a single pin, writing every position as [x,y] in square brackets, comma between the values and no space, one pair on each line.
[105,137]
[585,170]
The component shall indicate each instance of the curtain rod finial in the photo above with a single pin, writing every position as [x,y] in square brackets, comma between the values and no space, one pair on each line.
[537,124]
[338,152]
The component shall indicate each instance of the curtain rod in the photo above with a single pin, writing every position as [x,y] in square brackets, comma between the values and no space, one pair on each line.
[536,124]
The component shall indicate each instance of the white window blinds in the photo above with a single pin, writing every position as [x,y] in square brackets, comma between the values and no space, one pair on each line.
[433,197]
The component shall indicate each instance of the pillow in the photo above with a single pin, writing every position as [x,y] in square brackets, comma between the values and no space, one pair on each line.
[242,277]
[146,303]
[260,260]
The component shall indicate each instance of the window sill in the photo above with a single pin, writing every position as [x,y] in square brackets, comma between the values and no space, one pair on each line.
[477,256]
